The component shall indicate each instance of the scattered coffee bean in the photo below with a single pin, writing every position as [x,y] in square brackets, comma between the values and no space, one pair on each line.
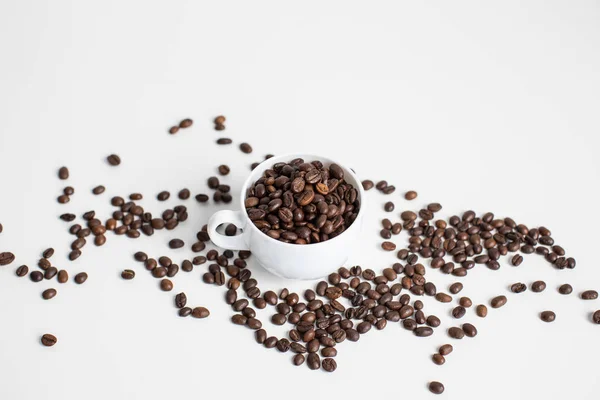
[518,287]
[436,387]
[455,288]
[36,276]
[166,285]
[469,330]
[22,271]
[48,340]
[200,312]
[329,364]
[128,274]
[176,243]
[246,148]
[481,311]
[538,286]
[6,258]
[48,294]
[438,359]
[388,246]
[224,141]
[224,170]
[298,359]
[547,316]
[389,206]
[565,289]
[498,301]
[63,173]
[184,194]
[456,333]
[410,195]
[81,278]
[63,276]
[163,196]
[446,349]
[113,160]
[596,317]
[587,295]
[186,123]
[219,123]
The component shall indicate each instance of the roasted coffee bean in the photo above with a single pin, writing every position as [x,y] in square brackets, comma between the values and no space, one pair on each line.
[63,173]
[63,276]
[459,312]
[455,288]
[423,331]
[481,311]
[389,206]
[465,302]
[438,359]
[69,191]
[436,387]
[50,273]
[180,300]
[224,169]
[36,276]
[518,287]
[433,321]
[68,217]
[186,123]
[6,258]
[283,345]
[445,349]
[48,340]
[596,317]
[224,140]
[367,184]
[176,243]
[589,295]
[48,253]
[313,361]
[113,160]
[469,330]
[166,285]
[388,246]
[443,298]
[185,312]
[547,316]
[22,271]
[538,286]
[63,199]
[565,289]
[498,301]
[517,260]
[456,333]
[329,364]
[128,274]
[200,312]
[81,278]
[48,294]
[163,196]
[410,195]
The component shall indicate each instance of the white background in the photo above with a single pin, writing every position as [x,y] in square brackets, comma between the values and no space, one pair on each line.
[491,107]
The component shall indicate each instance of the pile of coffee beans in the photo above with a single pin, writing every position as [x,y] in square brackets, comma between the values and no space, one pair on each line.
[302,202]
[307,202]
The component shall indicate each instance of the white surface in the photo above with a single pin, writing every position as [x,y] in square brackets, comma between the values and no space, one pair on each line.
[490,107]
[282,259]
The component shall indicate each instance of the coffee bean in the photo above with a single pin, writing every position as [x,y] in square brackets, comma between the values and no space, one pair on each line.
[36,276]
[367,184]
[48,253]
[224,169]
[48,340]
[329,364]
[498,301]
[443,298]
[246,148]
[176,243]
[410,195]
[518,287]
[445,349]
[459,312]
[465,302]
[456,333]
[423,331]
[81,278]
[298,359]
[547,316]
[436,387]
[283,345]
[438,359]
[596,317]
[48,294]
[200,312]
[63,276]
[63,199]
[565,289]
[224,141]
[113,159]
[589,295]
[185,312]
[389,206]
[433,321]
[163,196]
[63,173]
[6,258]
[455,288]
[388,246]
[22,271]
[538,286]
[186,123]
[50,273]
[481,311]
[313,361]
[517,260]
[67,217]
[74,255]
[166,285]
[128,274]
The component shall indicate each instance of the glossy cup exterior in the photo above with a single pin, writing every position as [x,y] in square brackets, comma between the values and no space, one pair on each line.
[289,260]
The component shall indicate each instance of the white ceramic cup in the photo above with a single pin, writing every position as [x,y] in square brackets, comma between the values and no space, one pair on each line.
[287,260]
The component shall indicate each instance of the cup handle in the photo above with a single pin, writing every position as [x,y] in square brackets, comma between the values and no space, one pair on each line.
[227,242]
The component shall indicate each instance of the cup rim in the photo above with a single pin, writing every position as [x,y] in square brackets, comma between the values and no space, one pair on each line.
[289,157]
